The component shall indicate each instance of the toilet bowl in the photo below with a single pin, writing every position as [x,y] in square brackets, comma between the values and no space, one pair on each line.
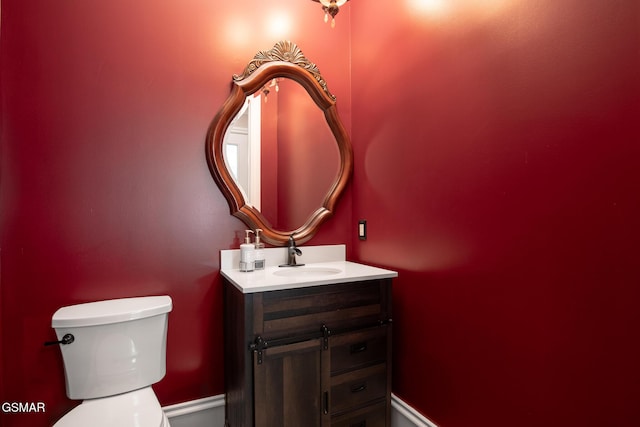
[117,350]
[138,408]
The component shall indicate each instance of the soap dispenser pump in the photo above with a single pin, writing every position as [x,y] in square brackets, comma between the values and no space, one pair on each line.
[247,253]
[260,261]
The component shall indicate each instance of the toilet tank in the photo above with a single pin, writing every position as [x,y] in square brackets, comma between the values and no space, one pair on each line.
[119,345]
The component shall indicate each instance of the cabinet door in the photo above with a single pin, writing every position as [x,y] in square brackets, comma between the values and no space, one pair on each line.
[291,385]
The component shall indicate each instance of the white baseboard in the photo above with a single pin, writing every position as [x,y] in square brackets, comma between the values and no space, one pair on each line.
[209,412]
[206,412]
[403,415]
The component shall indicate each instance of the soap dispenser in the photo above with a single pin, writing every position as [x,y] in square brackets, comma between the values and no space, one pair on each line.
[260,261]
[247,253]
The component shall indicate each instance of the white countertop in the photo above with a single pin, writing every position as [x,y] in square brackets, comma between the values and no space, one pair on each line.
[317,260]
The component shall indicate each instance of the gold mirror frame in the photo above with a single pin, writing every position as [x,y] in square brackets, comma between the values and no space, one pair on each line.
[286,60]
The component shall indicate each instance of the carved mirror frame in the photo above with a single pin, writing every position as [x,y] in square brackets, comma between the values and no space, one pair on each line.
[286,60]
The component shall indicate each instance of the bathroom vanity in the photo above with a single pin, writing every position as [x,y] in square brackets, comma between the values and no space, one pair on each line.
[307,346]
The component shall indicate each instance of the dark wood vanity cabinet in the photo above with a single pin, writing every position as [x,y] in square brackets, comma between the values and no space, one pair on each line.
[315,356]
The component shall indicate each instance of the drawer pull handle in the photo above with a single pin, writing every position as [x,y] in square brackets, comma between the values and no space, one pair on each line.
[358,388]
[325,402]
[360,424]
[359,347]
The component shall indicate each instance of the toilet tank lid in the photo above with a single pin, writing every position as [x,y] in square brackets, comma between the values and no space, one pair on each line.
[111,311]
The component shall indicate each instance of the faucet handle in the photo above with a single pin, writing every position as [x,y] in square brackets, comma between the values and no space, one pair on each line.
[292,251]
[293,247]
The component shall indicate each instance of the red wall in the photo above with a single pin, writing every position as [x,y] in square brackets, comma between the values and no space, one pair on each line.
[497,148]
[105,191]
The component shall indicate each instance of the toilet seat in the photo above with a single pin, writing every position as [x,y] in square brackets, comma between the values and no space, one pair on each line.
[138,408]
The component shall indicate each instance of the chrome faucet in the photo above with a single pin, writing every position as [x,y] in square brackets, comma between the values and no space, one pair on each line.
[292,251]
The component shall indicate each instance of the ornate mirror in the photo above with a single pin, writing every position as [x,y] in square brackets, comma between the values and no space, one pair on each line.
[277,148]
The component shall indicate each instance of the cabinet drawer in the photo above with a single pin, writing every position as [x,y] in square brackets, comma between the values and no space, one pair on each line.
[299,311]
[356,388]
[358,349]
[369,416]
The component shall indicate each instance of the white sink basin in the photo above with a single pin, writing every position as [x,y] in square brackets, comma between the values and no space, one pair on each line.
[305,271]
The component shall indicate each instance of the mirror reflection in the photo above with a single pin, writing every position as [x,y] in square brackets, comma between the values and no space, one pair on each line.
[277,148]
[281,153]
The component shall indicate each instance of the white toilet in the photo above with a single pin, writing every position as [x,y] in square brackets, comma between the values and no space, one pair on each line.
[117,352]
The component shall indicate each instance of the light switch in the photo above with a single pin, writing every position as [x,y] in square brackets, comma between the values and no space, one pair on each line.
[362,229]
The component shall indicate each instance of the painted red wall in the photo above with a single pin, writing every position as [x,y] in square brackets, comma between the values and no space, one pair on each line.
[105,191]
[497,148]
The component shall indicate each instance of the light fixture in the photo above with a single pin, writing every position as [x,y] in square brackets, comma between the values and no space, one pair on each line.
[266,89]
[331,7]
